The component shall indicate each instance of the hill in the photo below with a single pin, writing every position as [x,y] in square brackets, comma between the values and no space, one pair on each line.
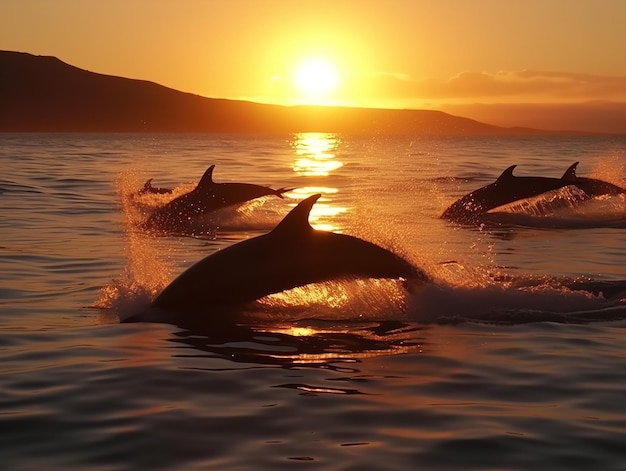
[44,94]
[591,117]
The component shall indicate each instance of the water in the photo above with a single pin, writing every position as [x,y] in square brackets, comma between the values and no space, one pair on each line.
[498,364]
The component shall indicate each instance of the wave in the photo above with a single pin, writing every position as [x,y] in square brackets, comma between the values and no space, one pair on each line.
[513,301]
[566,208]
[524,300]
[502,301]
[316,325]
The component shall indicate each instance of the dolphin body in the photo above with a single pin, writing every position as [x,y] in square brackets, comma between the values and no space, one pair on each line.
[506,189]
[292,254]
[591,186]
[206,197]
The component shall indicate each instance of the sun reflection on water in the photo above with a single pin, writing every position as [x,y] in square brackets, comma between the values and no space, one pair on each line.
[315,160]
[315,154]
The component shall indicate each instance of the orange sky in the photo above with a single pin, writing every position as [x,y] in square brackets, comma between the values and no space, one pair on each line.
[387,53]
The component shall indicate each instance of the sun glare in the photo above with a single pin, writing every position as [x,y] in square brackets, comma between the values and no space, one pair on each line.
[316,78]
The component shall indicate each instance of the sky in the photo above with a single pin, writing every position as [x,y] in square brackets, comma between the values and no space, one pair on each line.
[375,53]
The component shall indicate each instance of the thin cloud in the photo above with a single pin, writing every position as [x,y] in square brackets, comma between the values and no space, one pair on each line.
[525,84]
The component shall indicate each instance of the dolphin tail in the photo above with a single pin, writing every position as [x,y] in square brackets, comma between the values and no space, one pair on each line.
[280,191]
[147,187]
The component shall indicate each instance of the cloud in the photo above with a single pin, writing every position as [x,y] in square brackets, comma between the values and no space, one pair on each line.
[504,85]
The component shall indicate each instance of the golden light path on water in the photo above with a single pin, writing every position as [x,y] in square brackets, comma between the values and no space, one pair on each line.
[315,154]
[316,162]
[315,159]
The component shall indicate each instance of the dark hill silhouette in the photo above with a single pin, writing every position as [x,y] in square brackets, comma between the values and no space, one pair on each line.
[604,117]
[41,93]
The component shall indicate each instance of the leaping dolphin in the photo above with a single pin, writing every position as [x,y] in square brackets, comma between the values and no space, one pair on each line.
[592,186]
[206,197]
[292,254]
[506,189]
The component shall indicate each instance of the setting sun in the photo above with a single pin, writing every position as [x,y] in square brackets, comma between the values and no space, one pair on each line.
[316,79]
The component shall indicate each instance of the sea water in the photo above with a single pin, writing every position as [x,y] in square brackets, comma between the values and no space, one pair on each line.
[497,364]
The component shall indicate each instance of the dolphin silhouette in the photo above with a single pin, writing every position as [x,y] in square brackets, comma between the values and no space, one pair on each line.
[292,254]
[206,197]
[506,189]
[591,186]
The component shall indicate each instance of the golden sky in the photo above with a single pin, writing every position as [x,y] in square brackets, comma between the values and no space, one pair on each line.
[385,53]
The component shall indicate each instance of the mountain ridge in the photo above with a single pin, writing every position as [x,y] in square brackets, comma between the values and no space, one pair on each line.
[45,94]
[598,117]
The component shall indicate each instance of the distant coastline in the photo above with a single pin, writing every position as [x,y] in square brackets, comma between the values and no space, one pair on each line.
[44,94]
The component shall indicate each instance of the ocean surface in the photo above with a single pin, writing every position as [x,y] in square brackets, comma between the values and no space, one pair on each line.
[513,357]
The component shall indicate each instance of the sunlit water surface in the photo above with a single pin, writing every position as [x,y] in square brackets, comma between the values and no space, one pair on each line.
[497,364]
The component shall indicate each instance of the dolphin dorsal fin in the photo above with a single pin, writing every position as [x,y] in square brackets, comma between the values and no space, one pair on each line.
[570,173]
[207,178]
[508,173]
[297,220]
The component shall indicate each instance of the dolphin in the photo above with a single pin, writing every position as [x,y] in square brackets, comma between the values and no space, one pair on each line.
[206,197]
[148,188]
[292,254]
[591,186]
[506,189]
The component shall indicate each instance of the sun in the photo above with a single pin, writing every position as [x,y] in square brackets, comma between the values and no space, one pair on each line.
[316,79]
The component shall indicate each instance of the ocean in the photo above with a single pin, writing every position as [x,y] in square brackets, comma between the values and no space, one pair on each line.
[512,358]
